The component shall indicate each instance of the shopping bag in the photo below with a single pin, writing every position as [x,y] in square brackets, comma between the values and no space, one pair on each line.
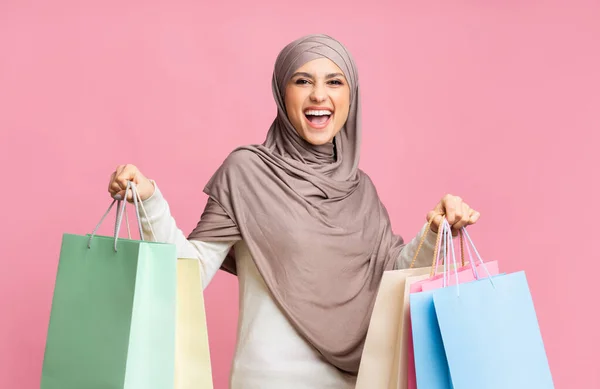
[192,357]
[465,274]
[431,366]
[406,364]
[380,358]
[112,321]
[437,278]
[383,363]
[491,335]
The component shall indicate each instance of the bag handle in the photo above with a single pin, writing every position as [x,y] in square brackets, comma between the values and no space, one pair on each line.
[120,211]
[437,247]
[447,230]
[448,235]
[462,251]
[489,276]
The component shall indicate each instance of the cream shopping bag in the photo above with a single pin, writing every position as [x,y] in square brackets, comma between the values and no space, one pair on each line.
[399,374]
[384,363]
[382,353]
[192,353]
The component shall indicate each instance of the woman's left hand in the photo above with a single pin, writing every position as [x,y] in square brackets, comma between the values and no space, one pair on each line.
[457,212]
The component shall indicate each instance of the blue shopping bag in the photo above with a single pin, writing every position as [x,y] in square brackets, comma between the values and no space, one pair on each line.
[431,367]
[491,335]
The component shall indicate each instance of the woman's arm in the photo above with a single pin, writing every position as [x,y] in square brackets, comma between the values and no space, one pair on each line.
[425,256]
[210,254]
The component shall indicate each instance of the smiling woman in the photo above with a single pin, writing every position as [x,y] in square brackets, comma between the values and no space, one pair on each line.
[310,235]
[317,100]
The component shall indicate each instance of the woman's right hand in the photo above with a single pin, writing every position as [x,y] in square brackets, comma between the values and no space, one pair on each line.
[124,173]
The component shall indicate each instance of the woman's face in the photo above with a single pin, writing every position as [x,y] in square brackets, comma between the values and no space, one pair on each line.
[317,100]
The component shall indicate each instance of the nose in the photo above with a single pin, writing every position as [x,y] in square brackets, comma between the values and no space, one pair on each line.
[319,94]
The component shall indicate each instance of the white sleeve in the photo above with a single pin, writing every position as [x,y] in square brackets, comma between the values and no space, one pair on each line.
[425,257]
[210,254]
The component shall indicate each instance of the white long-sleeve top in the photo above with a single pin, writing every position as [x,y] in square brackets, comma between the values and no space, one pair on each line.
[270,354]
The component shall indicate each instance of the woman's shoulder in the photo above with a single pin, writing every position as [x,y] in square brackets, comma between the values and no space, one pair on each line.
[367,183]
[243,159]
[241,168]
[364,177]
[242,156]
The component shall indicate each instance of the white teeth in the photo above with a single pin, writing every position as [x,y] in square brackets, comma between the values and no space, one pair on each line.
[317,113]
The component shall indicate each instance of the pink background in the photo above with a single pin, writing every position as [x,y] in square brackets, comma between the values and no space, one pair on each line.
[497,101]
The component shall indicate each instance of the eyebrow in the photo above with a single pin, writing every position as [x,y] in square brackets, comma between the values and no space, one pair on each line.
[308,75]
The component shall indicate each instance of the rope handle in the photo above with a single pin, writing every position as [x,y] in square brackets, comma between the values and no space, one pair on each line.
[473,265]
[138,204]
[436,247]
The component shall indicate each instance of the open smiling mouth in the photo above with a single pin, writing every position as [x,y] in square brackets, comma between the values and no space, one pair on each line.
[318,118]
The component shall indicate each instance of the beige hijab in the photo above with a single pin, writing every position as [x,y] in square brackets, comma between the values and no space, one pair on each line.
[312,220]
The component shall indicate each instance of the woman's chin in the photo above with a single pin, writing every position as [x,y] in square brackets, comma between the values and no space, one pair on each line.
[318,137]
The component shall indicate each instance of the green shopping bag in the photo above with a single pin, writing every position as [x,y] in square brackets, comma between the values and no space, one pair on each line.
[112,324]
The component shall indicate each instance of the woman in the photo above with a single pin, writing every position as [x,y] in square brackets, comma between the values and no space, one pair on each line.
[310,237]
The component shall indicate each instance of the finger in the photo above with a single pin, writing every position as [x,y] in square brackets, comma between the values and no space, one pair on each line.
[453,232]
[130,196]
[113,186]
[126,174]
[112,178]
[122,177]
[474,217]
[430,216]
[116,191]
[116,175]
[464,220]
[434,215]
[448,208]
[452,208]
[436,220]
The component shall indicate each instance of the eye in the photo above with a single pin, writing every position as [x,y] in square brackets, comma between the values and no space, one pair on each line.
[301,81]
[336,82]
